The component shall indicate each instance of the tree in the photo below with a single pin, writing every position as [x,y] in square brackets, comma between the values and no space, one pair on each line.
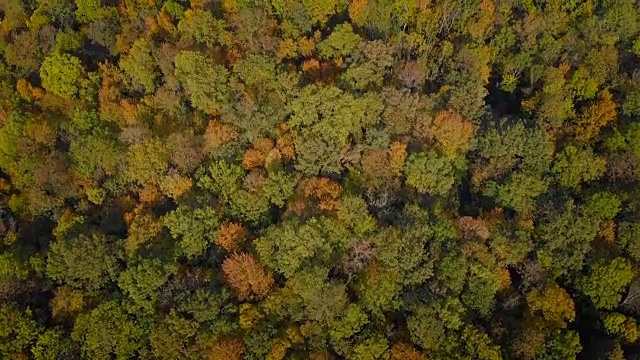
[246,277]
[629,238]
[429,173]
[323,126]
[605,282]
[371,348]
[142,281]
[54,344]
[203,81]
[140,66]
[452,133]
[227,349]
[563,254]
[512,149]
[174,186]
[219,134]
[19,330]
[194,228]
[107,332]
[147,162]
[426,329]
[478,344]
[562,344]
[594,117]
[403,351]
[619,325]
[519,191]
[66,303]
[96,156]
[24,52]
[341,42]
[289,246]
[173,336]
[575,165]
[200,25]
[60,74]
[230,236]
[92,10]
[85,262]
[553,302]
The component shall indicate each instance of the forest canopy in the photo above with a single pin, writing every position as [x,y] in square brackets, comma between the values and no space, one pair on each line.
[319,179]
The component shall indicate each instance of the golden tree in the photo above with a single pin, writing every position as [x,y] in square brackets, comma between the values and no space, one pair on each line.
[397,157]
[218,135]
[377,167]
[252,158]
[324,190]
[554,303]
[142,227]
[227,349]
[174,185]
[287,49]
[246,277]
[306,46]
[66,303]
[595,116]
[286,145]
[230,236]
[452,132]
[404,351]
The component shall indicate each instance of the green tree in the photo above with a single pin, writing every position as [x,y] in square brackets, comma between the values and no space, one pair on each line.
[287,247]
[97,155]
[617,324]
[19,331]
[563,239]
[341,42]
[142,281]
[107,332]
[139,65]
[60,74]
[429,173]
[575,166]
[85,261]
[201,26]
[194,228]
[147,162]
[203,81]
[54,344]
[605,282]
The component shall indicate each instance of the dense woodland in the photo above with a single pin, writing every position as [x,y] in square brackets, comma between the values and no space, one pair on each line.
[319,179]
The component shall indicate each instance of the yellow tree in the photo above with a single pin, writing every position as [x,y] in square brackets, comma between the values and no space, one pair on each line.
[452,132]
[174,185]
[397,157]
[553,302]
[227,349]
[595,116]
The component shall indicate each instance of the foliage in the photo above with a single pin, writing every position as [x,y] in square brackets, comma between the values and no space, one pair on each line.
[203,81]
[318,179]
[60,74]
[246,277]
[605,281]
[85,261]
[18,331]
[106,331]
[429,173]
